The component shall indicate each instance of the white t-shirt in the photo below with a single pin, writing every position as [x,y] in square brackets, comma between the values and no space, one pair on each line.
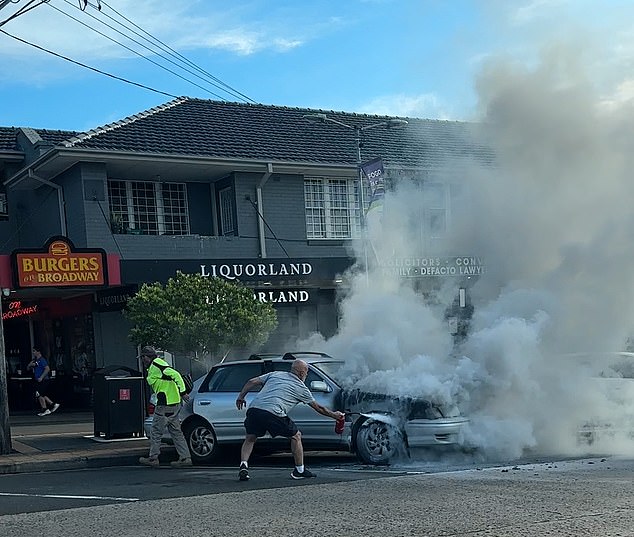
[282,390]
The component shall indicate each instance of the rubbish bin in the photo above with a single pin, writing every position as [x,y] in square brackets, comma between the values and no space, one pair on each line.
[118,402]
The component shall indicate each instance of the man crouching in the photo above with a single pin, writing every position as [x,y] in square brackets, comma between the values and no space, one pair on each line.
[281,392]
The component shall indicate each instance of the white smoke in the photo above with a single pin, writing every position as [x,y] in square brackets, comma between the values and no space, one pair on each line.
[552,220]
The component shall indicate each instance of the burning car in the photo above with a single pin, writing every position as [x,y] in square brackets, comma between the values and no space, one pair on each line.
[378,428]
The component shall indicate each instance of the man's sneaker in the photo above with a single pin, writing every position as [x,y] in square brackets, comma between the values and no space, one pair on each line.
[146,461]
[302,475]
[55,407]
[243,474]
[181,463]
[44,412]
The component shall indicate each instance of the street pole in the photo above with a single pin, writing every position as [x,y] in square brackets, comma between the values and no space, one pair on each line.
[387,123]
[5,428]
[357,133]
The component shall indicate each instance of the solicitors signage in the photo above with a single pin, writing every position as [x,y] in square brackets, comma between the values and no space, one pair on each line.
[59,264]
[416,267]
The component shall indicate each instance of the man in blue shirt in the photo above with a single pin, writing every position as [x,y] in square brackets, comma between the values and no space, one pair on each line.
[41,376]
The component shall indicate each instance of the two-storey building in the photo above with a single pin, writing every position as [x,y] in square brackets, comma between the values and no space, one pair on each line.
[255,193]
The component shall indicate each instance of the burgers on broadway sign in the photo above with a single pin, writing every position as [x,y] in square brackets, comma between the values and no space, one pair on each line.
[59,264]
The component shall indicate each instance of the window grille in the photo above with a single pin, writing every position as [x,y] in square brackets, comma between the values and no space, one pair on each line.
[148,207]
[4,206]
[227,215]
[332,208]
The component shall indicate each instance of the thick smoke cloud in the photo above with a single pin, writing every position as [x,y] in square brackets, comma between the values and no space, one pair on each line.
[552,220]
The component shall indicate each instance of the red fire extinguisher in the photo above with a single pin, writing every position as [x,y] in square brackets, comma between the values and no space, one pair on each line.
[339,425]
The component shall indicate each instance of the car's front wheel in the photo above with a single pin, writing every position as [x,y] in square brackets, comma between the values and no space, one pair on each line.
[379,443]
[202,442]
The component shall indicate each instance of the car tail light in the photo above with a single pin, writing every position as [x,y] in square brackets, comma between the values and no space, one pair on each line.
[150,409]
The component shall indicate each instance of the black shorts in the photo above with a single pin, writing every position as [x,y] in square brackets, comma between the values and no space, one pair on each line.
[42,388]
[259,421]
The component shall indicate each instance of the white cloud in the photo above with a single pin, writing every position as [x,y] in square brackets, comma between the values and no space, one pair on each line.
[623,95]
[426,105]
[183,26]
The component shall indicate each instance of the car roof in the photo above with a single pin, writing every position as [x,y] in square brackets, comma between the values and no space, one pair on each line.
[308,357]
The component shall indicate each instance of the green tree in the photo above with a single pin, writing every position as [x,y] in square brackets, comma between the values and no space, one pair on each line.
[195,314]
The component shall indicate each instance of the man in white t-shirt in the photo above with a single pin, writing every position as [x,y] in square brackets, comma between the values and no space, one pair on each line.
[281,391]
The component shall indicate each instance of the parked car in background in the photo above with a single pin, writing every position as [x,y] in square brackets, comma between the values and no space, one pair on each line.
[379,427]
[612,386]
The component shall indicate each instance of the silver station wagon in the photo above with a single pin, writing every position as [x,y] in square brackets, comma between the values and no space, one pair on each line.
[379,427]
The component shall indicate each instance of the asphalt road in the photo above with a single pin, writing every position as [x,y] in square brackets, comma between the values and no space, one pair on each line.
[588,497]
[49,491]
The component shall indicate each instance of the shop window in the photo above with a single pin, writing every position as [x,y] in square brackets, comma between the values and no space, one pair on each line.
[148,208]
[333,208]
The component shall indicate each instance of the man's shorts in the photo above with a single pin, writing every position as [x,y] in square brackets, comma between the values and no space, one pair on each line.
[42,389]
[259,421]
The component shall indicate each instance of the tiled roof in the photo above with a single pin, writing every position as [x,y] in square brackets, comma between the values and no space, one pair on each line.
[8,137]
[228,130]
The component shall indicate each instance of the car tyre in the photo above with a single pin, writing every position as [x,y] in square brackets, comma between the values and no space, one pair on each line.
[379,443]
[201,440]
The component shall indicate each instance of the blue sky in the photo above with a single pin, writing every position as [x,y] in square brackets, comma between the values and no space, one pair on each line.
[416,58]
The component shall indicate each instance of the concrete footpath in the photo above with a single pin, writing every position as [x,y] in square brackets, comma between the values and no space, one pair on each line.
[65,440]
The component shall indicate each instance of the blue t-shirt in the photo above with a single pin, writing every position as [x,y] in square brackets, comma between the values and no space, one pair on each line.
[282,390]
[39,368]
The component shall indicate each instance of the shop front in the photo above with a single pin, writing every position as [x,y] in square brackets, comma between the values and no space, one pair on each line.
[50,306]
[302,290]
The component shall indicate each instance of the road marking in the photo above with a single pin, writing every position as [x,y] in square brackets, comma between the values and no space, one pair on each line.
[70,497]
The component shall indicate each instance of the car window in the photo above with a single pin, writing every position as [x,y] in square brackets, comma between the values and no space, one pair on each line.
[331,369]
[232,378]
[286,366]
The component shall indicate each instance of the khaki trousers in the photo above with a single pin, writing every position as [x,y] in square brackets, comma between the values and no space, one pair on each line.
[166,416]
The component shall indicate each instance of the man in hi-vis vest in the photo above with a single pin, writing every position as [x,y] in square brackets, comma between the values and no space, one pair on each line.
[169,387]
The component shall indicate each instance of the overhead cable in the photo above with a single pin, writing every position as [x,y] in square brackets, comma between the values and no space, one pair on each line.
[87,66]
[22,10]
[138,53]
[166,48]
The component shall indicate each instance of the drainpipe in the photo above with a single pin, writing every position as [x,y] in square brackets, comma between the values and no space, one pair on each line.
[60,199]
[258,196]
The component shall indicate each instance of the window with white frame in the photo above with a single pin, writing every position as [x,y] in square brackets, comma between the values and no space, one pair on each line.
[227,214]
[332,208]
[148,207]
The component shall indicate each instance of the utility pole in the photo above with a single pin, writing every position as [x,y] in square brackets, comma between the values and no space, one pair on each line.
[5,428]
[358,131]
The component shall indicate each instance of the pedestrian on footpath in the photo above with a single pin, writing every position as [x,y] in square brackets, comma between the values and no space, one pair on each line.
[169,387]
[281,392]
[41,376]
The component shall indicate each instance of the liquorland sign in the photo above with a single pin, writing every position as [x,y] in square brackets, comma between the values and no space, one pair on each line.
[59,264]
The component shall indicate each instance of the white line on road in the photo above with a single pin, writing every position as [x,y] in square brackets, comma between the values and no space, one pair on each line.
[70,497]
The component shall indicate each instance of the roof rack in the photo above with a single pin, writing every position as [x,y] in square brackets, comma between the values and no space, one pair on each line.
[264,355]
[291,355]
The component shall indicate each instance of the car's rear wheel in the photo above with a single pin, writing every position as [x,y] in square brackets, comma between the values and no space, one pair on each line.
[202,442]
[379,443]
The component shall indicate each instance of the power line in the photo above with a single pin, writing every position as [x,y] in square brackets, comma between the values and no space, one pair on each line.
[152,50]
[87,66]
[138,53]
[22,10]
[166,48]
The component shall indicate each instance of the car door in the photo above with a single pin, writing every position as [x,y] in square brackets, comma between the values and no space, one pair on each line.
[317,430]
[216,399]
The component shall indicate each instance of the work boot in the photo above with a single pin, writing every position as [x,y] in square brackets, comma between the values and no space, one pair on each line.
[146,461]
